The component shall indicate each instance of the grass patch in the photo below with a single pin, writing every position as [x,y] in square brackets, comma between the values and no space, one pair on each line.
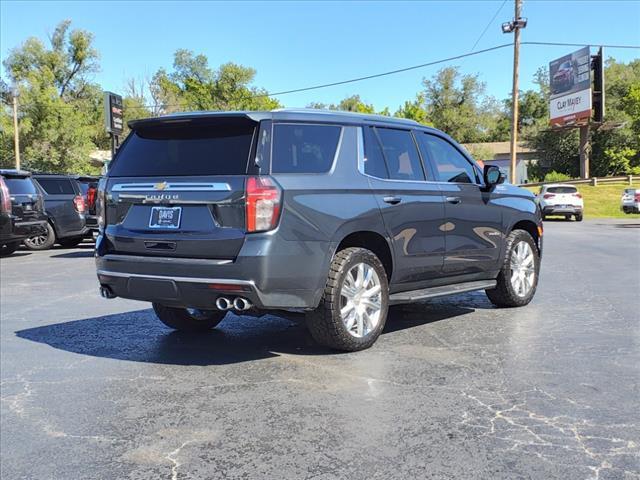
[602,201]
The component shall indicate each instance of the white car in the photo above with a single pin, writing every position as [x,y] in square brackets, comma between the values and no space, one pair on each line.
[561,199]
[630,202]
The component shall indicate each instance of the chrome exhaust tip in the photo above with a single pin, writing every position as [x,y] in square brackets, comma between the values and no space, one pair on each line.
[106,292]
[241,304]
[223,303]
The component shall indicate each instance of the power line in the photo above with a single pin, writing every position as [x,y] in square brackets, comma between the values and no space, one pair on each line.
[488,25]
[405,69]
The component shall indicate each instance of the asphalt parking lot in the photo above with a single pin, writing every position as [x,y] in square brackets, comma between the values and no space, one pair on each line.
[96,389]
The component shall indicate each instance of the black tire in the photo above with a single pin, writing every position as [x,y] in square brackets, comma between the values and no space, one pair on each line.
[41,242]
[325,324]
[8,248]
[504,294]
[70,242]
[544,217]
[567,218]
[579,217]
[181,319]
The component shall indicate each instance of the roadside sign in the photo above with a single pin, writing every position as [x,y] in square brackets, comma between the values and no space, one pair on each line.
[113,113]
[570,83]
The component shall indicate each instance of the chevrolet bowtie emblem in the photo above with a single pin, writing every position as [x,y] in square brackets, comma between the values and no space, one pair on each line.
[160,186]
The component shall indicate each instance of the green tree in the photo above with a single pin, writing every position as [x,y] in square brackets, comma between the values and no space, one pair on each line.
[193,85]
[58,102]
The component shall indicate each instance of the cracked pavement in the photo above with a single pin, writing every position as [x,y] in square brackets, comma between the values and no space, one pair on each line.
[454,388]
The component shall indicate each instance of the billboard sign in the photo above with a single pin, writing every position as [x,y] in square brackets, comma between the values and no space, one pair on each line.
[113,113]
[570,83]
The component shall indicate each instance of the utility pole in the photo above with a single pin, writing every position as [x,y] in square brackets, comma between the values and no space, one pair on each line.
[514,111]
[515,26]
[16,136]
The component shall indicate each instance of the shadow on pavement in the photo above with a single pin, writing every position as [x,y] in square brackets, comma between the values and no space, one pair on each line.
[139,336]
[81,254]
[17,254]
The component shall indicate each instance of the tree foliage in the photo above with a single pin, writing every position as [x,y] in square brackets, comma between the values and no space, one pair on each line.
[193,85]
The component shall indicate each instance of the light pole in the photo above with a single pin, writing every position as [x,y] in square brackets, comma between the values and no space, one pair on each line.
[515,26]
[16,136]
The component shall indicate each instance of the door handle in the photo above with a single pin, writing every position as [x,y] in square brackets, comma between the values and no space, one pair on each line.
[454,200]
[392,200]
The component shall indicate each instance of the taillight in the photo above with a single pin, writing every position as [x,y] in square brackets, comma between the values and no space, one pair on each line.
[579,195]
[91,197]
[637,197]
[548,195]
[5,203]
[78,203]
[263,204]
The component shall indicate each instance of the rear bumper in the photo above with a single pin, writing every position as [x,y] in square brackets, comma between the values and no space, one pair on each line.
[13,231]
[272,274]
[562,210]
[630,208]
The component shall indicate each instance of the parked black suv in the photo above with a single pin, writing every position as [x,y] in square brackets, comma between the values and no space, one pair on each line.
[65,207]
[21,210]
[334,214]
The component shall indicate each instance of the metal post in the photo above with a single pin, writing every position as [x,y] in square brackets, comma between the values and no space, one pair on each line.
[584,151]
[16,135]
[514,108]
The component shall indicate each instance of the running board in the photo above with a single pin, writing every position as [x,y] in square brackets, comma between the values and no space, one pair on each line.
[432,292]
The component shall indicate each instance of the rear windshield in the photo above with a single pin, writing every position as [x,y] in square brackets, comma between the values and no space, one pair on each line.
[299,148]
[20,186]
[57,186]
[562,189]
[184,150]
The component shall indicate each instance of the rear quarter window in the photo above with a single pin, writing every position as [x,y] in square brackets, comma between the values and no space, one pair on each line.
[56,186]
[299,148]
[20,186]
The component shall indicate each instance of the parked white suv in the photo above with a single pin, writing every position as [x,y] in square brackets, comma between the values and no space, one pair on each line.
[630,202]
[560,199]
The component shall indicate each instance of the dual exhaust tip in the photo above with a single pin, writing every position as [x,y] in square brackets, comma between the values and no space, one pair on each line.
[239,304]
[222,303]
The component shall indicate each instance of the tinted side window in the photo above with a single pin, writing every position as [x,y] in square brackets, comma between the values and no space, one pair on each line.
[304,148]
[373,158]
[57,186]
[403,161]
[20,186]
[449,164]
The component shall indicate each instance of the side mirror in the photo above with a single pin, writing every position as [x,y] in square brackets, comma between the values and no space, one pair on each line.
[492,176]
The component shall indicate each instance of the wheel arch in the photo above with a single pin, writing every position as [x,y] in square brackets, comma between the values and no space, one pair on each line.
[372,241]
[530,227]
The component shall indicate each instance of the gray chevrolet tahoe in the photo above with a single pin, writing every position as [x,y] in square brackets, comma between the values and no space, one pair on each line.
[333,214]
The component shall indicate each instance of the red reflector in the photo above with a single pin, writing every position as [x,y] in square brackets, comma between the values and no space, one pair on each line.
[228,287]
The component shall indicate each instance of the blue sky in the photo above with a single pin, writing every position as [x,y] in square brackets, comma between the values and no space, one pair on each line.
[296,44]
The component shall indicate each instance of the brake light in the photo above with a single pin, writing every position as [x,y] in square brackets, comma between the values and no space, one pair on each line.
[579,195]
[91,197]
[548,195]
[263,204]
[5,203]
[78,203]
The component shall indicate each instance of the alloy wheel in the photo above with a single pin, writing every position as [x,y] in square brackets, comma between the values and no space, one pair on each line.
[361,300]
[523,269]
